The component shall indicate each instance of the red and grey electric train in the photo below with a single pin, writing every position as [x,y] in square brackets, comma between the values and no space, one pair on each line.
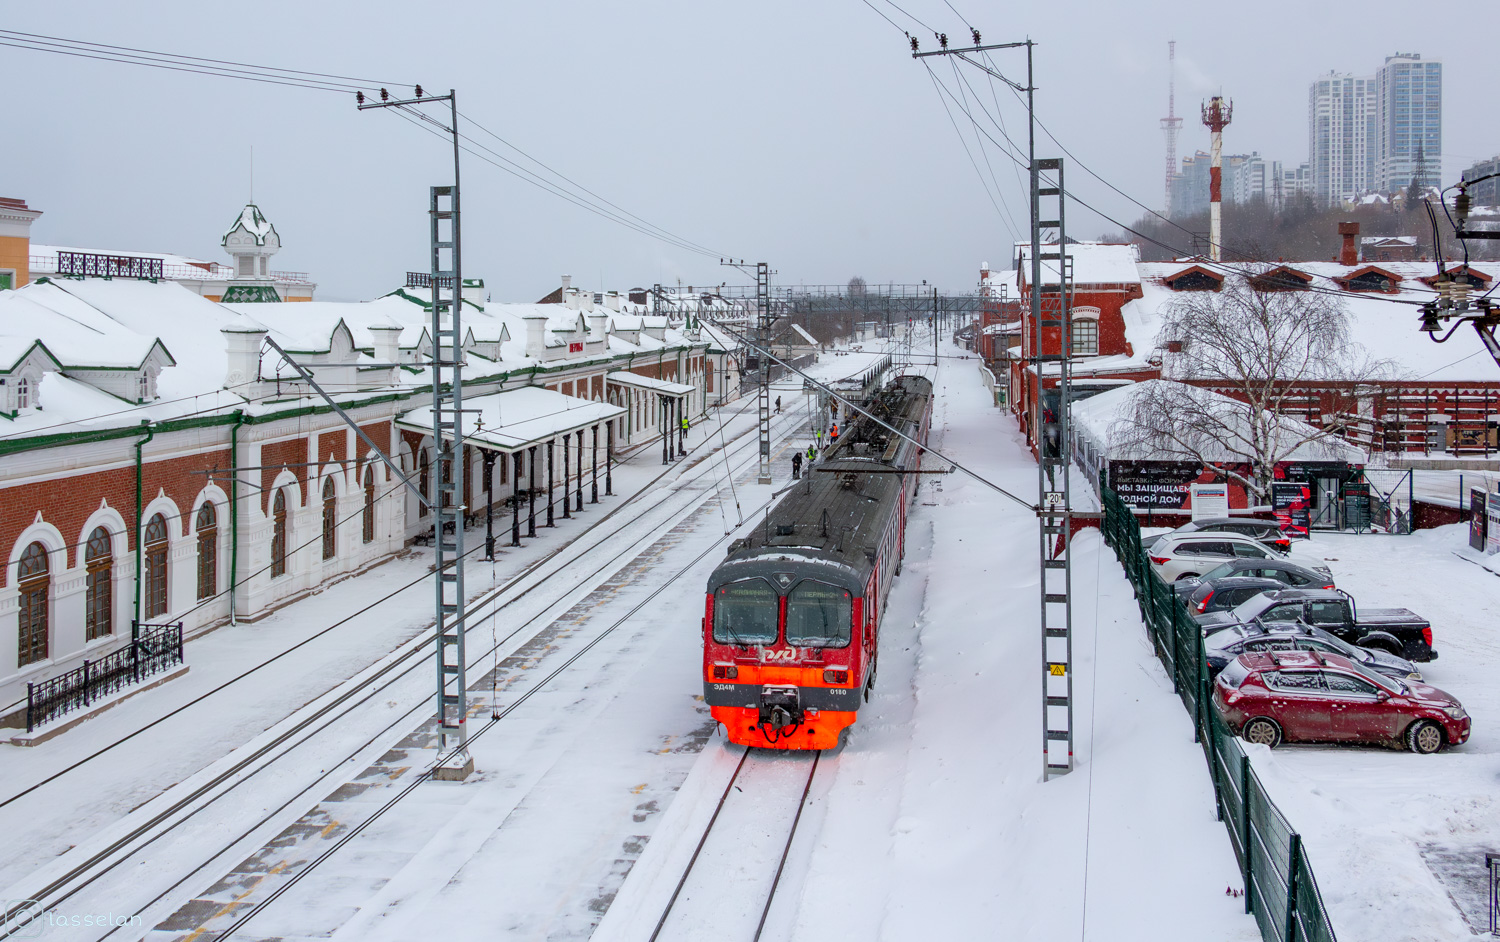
[791,630]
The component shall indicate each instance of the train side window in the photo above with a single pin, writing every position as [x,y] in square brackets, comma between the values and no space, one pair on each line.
[746,613]
[818,615]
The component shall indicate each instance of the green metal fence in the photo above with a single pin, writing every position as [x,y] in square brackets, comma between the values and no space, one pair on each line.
[1279,887]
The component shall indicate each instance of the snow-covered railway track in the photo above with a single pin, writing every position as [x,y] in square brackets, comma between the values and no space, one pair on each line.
[128,866]
[727,888]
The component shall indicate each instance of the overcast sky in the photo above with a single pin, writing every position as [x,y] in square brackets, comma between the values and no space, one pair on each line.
[799,133]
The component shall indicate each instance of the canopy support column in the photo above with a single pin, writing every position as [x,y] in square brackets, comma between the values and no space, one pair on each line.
[515,500]
[594,462]
[550,443]
[531,493]
[580,470]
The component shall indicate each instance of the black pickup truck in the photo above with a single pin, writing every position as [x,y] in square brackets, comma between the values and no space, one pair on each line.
[1395,630]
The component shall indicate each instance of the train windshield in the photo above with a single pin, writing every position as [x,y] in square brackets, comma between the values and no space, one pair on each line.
[745,613]
[818,616]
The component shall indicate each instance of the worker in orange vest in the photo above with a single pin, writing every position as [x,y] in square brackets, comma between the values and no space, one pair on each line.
[833,433]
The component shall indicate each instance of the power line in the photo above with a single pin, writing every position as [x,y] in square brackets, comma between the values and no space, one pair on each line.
[213,63]
[527,176]
[580,186]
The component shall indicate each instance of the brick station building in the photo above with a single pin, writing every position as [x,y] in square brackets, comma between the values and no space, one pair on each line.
[126,400]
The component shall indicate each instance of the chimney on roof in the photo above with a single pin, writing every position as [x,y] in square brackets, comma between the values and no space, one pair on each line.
[386,342]
[536,335]
[244,341]
[571,299]
[1349,253]
[612,300]
[567,283]
[598,325]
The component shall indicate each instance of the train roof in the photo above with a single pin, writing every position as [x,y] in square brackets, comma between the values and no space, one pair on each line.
[839,512]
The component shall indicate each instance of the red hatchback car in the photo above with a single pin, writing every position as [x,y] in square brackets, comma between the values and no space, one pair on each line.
[1311,696]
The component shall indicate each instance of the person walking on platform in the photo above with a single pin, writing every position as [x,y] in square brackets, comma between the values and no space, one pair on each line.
[818,437]
[778,405]
[812,456]
[833,434]
[796,465]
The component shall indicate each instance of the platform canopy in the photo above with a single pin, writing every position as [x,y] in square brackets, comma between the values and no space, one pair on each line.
[519,418]
[653,385]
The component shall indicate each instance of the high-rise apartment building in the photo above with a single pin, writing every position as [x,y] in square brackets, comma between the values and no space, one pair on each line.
[1342,129]
[1410,145]
[1486,193]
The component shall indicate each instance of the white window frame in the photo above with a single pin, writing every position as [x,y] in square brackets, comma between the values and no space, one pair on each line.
[1081,315]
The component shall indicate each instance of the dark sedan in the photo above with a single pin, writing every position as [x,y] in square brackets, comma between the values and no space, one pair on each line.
[1286,572]
[1264,531]
[1224,594]
[1221,647]
[1308,696]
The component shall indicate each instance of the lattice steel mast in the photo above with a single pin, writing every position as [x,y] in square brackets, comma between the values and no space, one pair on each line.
[446,273]
[1054,508]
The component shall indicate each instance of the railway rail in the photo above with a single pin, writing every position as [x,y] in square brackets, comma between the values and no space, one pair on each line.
[303,729]
[729,880]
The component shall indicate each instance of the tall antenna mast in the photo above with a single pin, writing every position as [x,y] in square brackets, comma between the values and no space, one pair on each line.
[1171,123]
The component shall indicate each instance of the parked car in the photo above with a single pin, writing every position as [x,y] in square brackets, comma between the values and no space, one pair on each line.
[1227,593]
[1221,647]
[1182,555]
[1396,630]
[1285,571]
[1309,696]
[1267,532]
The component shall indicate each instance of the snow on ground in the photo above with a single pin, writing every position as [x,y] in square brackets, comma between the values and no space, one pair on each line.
[932,823]
[58,816]
[1395,838]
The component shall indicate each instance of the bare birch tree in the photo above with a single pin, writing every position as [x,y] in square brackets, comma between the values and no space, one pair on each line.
[1265,349]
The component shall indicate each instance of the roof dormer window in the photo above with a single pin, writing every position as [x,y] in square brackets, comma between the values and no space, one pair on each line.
[143,387]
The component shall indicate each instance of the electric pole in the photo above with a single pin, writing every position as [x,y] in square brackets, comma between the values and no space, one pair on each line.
[1054,509]
[446,274]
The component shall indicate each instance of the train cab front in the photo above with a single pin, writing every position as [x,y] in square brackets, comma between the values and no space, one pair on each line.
[781,660]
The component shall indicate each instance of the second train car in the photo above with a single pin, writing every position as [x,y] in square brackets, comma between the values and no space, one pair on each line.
[791,628]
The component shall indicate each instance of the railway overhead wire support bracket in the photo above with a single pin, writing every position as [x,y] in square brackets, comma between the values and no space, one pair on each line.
[454,761]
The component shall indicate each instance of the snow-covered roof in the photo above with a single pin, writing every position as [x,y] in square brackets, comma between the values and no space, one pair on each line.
[254,223]
[654,385]
[806,337]
[1094,263]
[1384,325]
[1105,420]
[513,420]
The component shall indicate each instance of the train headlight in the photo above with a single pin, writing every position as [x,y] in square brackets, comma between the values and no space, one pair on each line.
[835,677]
[725,672]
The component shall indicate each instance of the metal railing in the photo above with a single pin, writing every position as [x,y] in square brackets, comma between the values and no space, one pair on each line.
[89,265]
[152,649]
[123,266]
[1280,890]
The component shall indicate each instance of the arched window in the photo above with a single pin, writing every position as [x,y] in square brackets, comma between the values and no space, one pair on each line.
[208,551]
[23,393]
[369,515]
[278,534]
[143,383]
[424,480]
[330,519]
[156,566]
[99,598]
[34,580]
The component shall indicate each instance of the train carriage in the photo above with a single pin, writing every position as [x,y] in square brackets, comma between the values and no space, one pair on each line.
[792,618]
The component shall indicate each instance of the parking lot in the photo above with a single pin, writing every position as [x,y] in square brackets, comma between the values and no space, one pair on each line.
[1397,839]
